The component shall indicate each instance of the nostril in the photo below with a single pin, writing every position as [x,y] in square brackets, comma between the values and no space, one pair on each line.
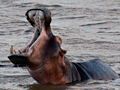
[33,14]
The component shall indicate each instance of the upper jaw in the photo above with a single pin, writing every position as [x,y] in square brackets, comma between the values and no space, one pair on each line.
[38,21]
[21,57]
[34,12]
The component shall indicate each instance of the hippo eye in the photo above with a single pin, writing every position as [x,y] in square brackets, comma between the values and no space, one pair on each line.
[58,39]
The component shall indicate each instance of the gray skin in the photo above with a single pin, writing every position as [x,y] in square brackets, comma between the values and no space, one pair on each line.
[46,61]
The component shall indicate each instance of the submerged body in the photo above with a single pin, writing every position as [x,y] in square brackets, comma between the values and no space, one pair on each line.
[46,61]
[95,69]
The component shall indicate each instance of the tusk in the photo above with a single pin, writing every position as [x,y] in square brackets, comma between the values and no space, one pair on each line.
[27,49]
[14,51]
[11,50]
[20,51]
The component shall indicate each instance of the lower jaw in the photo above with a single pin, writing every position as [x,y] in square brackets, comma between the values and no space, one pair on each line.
[20,59]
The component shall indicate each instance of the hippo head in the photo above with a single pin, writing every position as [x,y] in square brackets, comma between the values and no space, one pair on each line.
[44,48]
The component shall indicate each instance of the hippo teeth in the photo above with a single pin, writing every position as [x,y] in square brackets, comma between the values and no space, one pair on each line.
[20,51]
[11,50]
[27,49]
[15,51]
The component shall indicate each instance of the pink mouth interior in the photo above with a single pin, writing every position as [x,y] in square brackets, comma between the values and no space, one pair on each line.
[21,58]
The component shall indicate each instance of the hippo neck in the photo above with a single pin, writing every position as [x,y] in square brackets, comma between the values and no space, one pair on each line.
[38,46]
[44,34]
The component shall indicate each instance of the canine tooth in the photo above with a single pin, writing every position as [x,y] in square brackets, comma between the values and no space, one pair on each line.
[14,51]
[19,51]
[11,50]
[27,49]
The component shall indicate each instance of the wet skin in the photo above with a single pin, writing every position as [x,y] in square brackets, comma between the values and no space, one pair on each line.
[46,61]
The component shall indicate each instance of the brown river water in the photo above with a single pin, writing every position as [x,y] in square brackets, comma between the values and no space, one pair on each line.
[89,29]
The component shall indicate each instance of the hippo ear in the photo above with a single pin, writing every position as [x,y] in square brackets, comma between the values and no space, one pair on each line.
[62,52]
[62,61]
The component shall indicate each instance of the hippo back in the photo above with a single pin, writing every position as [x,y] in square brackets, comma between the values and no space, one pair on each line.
[95,69]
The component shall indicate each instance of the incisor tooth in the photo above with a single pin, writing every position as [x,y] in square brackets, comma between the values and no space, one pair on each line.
[20,51]
[14,51]
[11,50]
[27,49]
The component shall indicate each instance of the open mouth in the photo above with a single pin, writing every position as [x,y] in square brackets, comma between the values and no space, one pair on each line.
[36,17]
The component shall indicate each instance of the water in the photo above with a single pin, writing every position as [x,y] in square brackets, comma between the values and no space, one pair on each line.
[90,29]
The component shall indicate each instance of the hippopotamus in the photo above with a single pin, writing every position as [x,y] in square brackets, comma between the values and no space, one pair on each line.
[46,61]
